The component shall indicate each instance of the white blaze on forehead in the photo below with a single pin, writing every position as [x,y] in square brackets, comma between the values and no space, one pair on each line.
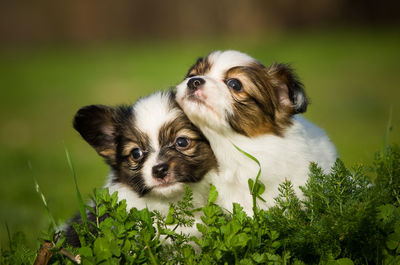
[151,113]
[221,61]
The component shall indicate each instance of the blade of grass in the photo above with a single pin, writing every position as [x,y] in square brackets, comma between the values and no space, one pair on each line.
[252,158]
[151,255]
[43,198]
[256,236]
[256,182]
[9,235]
[82,208]
[387,132]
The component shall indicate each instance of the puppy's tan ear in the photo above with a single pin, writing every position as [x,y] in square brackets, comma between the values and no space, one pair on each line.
[96,124]
[288,87]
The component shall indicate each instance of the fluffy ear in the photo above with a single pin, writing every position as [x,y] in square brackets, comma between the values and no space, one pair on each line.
[290,90]
[96,124]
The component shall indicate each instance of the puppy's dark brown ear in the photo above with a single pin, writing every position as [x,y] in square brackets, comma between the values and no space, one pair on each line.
[96,124]
[290,90]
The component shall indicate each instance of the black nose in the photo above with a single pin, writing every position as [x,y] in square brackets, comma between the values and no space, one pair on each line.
[160,171]
[195,82]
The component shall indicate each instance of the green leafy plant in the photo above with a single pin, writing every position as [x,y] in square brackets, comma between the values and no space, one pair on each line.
[345,217]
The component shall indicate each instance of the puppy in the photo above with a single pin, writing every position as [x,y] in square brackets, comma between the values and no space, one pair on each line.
[236,100]
[153,151]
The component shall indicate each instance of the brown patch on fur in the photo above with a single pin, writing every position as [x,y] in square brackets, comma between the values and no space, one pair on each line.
[107,152]
[201,67]
[192,162]
[128,147]
[261,107]
[288,87]
[129,170]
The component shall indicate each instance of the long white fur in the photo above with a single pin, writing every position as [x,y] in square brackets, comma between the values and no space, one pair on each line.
[286,157]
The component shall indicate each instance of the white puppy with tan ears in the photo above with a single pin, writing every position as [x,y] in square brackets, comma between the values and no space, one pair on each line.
[236,100]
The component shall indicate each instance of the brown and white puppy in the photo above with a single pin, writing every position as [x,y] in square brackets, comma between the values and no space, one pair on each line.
[153,150]
[236,100]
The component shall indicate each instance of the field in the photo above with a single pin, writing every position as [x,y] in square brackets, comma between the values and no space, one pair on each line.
[352,77]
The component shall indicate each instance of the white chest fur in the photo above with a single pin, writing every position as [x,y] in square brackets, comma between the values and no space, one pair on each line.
[286,157]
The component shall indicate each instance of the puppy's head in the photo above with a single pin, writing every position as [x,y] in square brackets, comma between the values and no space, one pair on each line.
[150,146]
[229,90]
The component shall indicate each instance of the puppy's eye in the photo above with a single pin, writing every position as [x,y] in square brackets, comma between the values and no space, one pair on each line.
[234,84]
[136,154]
[182,142]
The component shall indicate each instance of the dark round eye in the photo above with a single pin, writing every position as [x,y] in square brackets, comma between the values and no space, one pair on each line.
[136,154]
[235,84]
[182,142]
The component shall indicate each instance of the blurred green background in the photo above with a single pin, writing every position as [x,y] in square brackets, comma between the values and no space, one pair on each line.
[58,57]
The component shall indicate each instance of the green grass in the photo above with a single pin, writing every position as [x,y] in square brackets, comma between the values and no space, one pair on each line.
[351,76]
